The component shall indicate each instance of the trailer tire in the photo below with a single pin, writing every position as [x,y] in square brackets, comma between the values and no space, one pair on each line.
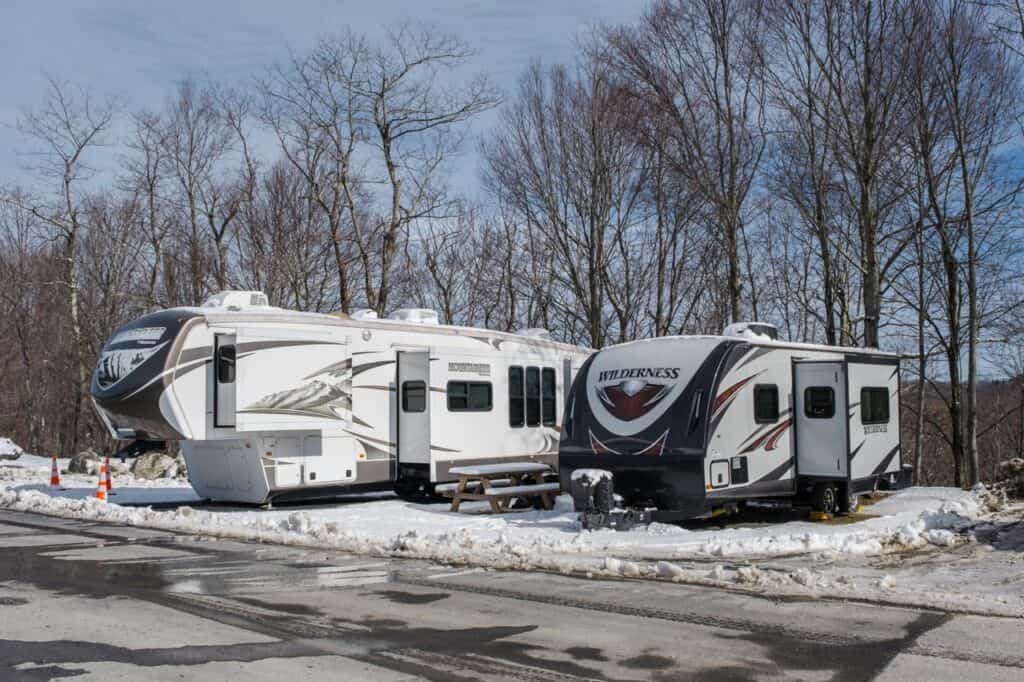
[825,498]
[850,502]
[417,491]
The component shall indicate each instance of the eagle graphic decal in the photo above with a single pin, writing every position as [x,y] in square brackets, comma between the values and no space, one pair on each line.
[632,398]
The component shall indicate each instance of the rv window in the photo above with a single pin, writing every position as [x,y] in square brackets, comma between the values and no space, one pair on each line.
[225,364]
[547,386]
[516,408]
[874,406]
[414,396]
[695,410]
[469,396]
[766,404]
[819,402]
[532,396]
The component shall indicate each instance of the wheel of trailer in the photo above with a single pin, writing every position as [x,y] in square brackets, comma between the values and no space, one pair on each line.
[414,490]
[825,498]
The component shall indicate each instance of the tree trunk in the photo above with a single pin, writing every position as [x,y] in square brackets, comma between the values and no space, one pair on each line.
[922,355]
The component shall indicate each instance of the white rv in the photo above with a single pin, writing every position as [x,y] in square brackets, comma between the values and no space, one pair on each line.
[271,403]
[689,424]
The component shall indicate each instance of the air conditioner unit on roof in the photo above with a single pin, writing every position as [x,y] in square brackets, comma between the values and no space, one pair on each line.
[753,330]
[417,315]
[237,300]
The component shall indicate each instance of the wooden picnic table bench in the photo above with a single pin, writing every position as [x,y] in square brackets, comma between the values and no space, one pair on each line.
[499,484]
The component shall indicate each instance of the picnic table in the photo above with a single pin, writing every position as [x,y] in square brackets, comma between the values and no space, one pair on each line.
[499,484]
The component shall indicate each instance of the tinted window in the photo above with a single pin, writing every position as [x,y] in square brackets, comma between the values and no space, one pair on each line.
[516,409]
[469,396]
[819,402]
[874,405]
[414,396]
[766,404]
[532,396]
[225,364]
[548,412]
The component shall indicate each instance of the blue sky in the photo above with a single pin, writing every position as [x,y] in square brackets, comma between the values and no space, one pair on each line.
[135,50]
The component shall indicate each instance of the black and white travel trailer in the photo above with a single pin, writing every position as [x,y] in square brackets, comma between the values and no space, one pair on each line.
[271,403]
[689,424]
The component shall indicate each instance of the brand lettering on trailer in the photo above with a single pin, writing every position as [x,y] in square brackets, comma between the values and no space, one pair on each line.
[470,368]
[638,373]
[631,397]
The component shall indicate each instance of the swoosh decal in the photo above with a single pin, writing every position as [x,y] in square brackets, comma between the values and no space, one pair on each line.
[657,447]
[884,464]
[359,369]
[730,392]
[773,442]
[776,473]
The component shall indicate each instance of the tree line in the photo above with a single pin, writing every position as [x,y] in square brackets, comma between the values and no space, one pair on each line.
[848,170]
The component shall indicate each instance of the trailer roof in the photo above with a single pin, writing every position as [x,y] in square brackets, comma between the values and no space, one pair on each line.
[217,315]
[769,343]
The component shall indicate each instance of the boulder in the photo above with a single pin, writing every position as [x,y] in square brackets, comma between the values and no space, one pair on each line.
[153,465]
[1011,476]
[85,462]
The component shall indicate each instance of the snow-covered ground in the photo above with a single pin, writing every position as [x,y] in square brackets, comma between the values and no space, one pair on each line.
[895,552]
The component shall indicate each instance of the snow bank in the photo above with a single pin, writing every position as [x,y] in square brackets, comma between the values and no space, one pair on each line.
[549,540]
[9,449]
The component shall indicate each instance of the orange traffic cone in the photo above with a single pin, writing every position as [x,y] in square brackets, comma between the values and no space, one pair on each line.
[54,473]
[101,488]
[109,481]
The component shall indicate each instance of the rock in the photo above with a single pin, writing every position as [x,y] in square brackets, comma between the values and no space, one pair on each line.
[85,462]
[182,467]
[9,449]
[1011,477]
[117,467]
[153,465]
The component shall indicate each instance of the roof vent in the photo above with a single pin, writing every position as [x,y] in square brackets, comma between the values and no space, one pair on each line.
[760,331]
[364,314]
[416,315]
[535,333]
[237,300]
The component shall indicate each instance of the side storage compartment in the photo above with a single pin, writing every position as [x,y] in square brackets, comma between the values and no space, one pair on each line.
[329,459]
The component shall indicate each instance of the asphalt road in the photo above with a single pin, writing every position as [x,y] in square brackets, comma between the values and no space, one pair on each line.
[91,601]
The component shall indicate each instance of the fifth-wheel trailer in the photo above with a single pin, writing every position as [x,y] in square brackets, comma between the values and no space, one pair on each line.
[687,424]
[271,403]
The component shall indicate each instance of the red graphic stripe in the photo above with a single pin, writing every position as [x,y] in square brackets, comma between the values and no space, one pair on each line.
[730,392]
[770,440]
[657,447]
[773,442]
[598,447]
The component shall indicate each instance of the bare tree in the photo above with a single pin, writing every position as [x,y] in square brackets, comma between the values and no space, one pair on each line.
[64,131]
[573,174]
[702,66]
[980,88]
[197,143]
[415,118]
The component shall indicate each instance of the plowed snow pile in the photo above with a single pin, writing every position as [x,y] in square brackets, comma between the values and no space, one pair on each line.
[9,449]
[930,519]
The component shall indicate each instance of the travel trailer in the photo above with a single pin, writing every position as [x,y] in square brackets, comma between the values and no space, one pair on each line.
[271,403]
[688,425]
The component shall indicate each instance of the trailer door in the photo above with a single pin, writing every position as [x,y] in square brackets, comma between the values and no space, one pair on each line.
[819,399]
[413,407]
[224,374]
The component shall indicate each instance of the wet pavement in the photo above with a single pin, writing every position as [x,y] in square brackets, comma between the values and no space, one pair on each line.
[85,600]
